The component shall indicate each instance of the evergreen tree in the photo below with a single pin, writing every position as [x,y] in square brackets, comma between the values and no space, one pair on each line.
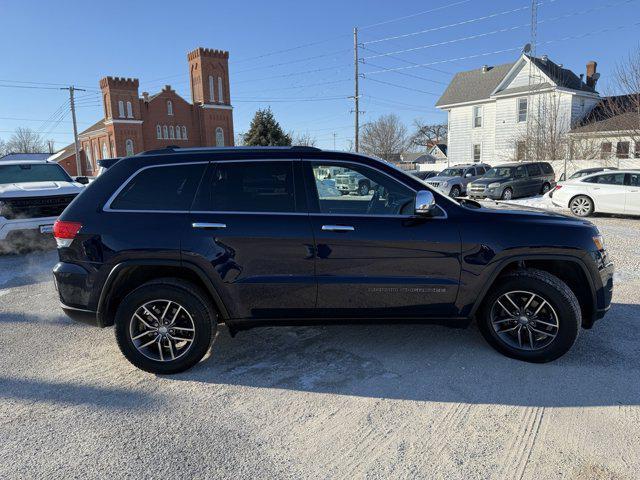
[265,131]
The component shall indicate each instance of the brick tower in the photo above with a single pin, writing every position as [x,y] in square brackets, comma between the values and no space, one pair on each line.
[209,77]
[122,115]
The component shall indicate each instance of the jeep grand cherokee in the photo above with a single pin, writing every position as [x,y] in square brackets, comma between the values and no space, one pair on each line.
[169,244]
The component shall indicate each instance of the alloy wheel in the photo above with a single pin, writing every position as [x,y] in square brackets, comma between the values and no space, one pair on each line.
[580,206]
[507,194]
[524,320]
[162,330]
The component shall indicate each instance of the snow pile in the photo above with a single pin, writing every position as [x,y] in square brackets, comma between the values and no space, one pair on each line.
[539,201]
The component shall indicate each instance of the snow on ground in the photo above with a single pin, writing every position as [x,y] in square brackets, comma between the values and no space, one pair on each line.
[539,201]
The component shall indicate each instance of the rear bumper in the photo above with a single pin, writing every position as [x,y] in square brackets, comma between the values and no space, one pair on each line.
[79,315]
[74,286]
[21,224]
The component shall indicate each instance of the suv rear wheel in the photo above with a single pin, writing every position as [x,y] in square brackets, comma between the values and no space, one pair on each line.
[530,315]
[546,187]
[165,326]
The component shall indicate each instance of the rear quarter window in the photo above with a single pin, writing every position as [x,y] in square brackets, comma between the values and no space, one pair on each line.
[547,169]
[160,188]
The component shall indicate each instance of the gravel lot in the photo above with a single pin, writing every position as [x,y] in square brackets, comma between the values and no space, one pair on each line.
[348,402]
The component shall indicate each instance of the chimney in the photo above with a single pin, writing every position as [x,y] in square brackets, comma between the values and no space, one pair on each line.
[485,68]
[591,72]
[145,97]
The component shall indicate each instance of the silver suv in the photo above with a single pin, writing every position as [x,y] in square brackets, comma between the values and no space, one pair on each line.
[453,181]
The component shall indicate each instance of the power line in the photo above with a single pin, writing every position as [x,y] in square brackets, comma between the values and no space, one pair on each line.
[293,61]
[401,86]
[413,15]
[290,49]
[409,62]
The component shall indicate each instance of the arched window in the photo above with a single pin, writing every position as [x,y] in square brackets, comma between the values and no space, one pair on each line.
[128,145]
[120,108]
[172,132]
[105,151]
[212,97]
[96,153]
[169,107]
[165,132]
[129,110]
[178,134]
[220,91]
[158,132]
[87,152]
[219,137]
[184,132]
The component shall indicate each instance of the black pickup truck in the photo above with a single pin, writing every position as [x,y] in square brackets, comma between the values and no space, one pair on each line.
[169,244]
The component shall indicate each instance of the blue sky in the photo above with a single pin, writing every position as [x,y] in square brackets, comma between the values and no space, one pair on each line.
[308,81]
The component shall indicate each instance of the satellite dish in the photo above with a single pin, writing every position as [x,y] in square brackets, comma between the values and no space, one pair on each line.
[527,48]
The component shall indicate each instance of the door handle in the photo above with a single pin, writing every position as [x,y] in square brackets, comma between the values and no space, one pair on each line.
[209,226]
[337,228]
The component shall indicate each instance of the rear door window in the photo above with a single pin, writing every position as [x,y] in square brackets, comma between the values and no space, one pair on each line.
[547,169]
[167,188]
[607,179]
[520,172]
[534,170]
[260,186]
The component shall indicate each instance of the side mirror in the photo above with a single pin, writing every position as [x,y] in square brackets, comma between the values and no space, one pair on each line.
[425,203]
[82,180]
[468,175]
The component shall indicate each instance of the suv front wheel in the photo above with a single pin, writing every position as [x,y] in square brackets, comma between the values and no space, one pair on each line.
[530,315]
[165,326]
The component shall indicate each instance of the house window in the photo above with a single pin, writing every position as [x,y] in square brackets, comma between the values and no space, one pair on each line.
[521,150]
[158,132]
[169,107]
[96,152]
[129,110]
[128,145]
[184,132]
[605,149]
[622,150]
[220,92]
[477,152]
[120,108]
[219,137]
[178,134]
[477,116]
[522,109]
[87,151]
[172,132]
[212,97]
[105,151]
[165,132]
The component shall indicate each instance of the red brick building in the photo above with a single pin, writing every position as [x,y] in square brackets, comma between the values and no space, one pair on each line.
[132,124]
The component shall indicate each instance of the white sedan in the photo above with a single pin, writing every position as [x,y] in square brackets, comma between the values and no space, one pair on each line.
[604,192]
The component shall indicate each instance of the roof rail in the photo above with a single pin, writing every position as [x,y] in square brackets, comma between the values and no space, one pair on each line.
[176,148]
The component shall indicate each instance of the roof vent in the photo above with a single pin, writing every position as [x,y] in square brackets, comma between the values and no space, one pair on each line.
[485,68]
[544,58]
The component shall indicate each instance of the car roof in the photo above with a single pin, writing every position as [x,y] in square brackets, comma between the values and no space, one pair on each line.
[596,169]
[516,164]
[27,162]
[214,150]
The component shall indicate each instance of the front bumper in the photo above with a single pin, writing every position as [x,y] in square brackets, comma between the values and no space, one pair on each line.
[21,224]
[492,193]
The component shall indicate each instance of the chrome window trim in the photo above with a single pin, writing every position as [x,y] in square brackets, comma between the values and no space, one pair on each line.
[107,205]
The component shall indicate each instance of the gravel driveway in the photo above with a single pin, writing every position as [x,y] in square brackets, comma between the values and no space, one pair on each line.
[400,401]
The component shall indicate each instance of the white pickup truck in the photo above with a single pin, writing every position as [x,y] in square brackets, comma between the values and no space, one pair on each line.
[32,195]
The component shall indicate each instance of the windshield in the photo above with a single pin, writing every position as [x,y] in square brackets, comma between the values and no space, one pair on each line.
[451,172]
[499,172]
[32,172]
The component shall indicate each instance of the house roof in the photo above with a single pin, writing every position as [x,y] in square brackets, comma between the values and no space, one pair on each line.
[478,84]
[64,153]
[12,157]
[612,114]
[99,125]
[473,84]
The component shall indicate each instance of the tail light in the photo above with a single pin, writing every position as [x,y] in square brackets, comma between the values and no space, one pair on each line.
[558,187]
[65,232]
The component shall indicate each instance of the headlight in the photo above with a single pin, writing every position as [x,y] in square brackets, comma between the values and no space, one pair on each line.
[494,185]
[444,184]
[599,242]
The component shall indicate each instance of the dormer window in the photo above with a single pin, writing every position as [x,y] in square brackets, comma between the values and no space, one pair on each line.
[169,107]
[120,108]
[477,116]
[129,110]
[220,94]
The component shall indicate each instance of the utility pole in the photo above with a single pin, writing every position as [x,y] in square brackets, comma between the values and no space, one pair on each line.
[72,89]
[356,96]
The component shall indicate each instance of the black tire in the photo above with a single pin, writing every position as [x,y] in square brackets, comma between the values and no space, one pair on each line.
[364,188]
[581,206]
[507,194]
[455,191]
[545,188]
[555,292]
[192,299]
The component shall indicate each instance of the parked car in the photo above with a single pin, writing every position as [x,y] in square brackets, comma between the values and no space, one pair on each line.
[424,174]
[169,244]
[513,180]
[353,182]
[32,195]
[453,181]
[605,192]
[586,171]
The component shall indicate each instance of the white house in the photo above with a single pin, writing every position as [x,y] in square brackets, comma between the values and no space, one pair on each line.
[491,109]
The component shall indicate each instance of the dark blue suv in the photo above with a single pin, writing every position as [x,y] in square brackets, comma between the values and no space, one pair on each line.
[169,244]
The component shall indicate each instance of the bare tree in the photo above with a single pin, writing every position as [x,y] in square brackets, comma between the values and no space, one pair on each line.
[26,140]
[303,139]
[427,135]
[385,137]
[3,148]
